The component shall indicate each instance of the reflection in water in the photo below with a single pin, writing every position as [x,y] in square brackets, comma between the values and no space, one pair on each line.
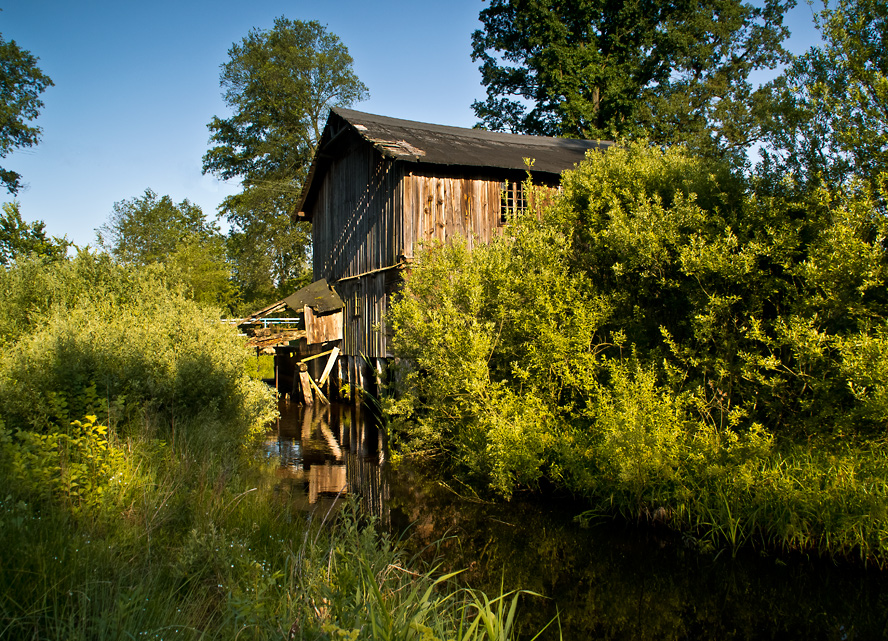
[611,581]
[326,452]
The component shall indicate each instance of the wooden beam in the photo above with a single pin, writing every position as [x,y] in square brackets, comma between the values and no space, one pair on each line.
[314,356]
[263,312]
[317,389]
[373,271]
[334,354]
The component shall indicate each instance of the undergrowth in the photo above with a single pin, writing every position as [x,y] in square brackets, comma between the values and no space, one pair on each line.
[133,505]
[670,341]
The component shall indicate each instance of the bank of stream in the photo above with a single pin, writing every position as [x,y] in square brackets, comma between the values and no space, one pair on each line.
[610,580]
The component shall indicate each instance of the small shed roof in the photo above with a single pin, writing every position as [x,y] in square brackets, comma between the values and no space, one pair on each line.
[443,145]
[319,296]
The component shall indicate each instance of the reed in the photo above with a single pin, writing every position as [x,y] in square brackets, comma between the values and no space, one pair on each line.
[800,497]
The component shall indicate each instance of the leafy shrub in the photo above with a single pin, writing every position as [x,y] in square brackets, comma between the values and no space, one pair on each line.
[755,321]
[78,465]
[124,334]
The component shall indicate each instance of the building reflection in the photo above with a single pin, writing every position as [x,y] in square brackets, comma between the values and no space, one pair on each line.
[326,452]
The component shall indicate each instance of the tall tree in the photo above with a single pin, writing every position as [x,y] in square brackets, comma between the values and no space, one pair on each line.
[20,238]
[832,120]
[671,71]
[147,229]
[21,83]
[280,84]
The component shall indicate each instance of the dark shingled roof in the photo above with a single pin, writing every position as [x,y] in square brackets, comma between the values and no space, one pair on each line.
[441,145]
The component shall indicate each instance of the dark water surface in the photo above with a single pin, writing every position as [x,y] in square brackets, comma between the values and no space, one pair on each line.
[608,581]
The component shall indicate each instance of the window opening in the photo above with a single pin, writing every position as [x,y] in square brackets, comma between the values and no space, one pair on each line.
[512,200]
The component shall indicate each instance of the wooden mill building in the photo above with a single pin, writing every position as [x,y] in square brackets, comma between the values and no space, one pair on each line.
[378,186]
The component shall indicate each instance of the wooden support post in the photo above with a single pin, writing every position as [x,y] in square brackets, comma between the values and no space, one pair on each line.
[295,387]
[317,389]
[305,383]
[352,378]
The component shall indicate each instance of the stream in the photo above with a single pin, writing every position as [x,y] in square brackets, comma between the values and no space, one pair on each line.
[610,580]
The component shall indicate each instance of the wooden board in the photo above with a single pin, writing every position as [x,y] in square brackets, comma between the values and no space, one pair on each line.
[305,383]
[322,328]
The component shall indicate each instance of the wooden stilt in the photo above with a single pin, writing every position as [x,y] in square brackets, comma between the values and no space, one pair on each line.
[295,389]
[352,378]
[336,380]
[305,383]
[317,389]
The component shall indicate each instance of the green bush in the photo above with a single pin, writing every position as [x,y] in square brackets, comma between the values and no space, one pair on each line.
[112,336]
[660,331]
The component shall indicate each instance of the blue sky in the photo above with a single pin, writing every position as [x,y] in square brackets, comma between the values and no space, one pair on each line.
[137,82]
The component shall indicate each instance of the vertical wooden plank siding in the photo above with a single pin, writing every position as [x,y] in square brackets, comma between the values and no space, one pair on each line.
[437,207]
[370,213]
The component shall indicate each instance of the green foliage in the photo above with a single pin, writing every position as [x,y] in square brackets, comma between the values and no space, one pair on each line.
[830,123]
[77,465]
[90,323]
[32,288]
[198,550]
[465,321]
[206,274]
[280,83]
[675,72]
[21,83]
[149,230]
[269,253]
[365,590]
[145,230]
[18,238]
[663,339]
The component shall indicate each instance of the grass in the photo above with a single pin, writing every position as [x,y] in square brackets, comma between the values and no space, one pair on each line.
[796,498]
[200,546]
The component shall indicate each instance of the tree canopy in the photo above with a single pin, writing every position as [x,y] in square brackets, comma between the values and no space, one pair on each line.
[19,238]
[830,123]
[21,83]
[152,230]
[674,72]
[147,229]
[280,84]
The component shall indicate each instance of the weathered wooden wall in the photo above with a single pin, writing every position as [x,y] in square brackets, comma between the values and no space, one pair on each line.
[322,328]
[440,207]
[370,214]
[353,219]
